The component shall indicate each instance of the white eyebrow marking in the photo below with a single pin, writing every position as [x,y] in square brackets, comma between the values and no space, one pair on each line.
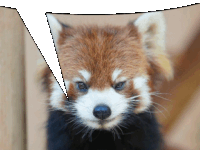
[121,79]
[76,79]
[116,74]
[85,74]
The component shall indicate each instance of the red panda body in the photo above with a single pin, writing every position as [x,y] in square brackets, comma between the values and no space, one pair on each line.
[110,74]
[140,133]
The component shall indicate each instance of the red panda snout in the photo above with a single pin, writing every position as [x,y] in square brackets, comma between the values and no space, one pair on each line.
[102,111]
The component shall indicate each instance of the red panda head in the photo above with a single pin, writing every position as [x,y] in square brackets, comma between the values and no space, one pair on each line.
[109,71]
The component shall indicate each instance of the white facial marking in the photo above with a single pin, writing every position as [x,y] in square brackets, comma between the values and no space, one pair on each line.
[85,74]
[76,79]
[140,83]
[121,79]
[116,73]
[86,104]
[113,123]
[56,95]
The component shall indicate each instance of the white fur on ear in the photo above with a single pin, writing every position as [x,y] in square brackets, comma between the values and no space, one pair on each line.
[55,27]
[152,28]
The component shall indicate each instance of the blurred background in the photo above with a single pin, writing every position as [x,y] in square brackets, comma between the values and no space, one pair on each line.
[23,105]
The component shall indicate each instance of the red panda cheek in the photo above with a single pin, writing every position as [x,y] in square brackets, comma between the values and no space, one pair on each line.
[130,91]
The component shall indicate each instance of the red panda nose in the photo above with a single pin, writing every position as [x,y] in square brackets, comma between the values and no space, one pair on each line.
[102,112]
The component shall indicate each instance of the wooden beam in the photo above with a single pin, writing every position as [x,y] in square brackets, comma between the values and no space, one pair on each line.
[12,90]
[184,85]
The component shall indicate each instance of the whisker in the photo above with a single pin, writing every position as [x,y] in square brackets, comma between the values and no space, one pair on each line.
[81,130]
[149,112]
[87,131]
[113,133]
[90,135]
[133,97]
[120,129]
[157,92]
[161,97]
[77,124]
[71,120]
[162,107]
[159,111]
[123,126]
[154,112]
[117,133]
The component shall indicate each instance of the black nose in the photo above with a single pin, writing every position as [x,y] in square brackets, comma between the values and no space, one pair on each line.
[102,111]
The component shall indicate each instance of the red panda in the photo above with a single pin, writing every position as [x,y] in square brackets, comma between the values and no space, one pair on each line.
[110,74]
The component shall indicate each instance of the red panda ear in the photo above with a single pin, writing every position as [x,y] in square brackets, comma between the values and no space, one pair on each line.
[152,28]
[56,28]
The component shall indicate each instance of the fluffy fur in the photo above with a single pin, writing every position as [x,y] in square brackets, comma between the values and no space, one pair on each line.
[103,58]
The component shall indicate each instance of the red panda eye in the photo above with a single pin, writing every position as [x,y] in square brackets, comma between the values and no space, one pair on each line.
[119,86]
[81,86]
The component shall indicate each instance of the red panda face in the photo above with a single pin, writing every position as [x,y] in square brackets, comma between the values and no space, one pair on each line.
[107,70]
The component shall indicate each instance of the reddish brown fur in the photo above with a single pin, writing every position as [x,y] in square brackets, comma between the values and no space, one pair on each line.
[129,90]
[45,74]
[100,51]
[72,93]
